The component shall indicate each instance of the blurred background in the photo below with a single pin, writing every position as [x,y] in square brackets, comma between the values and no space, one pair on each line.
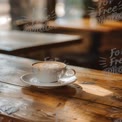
[98,22]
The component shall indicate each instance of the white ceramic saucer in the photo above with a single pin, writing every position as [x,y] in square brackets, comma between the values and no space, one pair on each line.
[31,80]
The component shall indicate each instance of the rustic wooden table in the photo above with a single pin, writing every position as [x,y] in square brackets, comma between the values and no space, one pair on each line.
[95,96]
[23,43]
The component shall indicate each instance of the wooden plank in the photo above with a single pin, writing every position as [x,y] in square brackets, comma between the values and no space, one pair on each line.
[91,85]
[35,105]
[11,71]
[100,87]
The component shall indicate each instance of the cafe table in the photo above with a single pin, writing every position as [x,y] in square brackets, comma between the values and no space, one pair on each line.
[96,96]
[23,43]
[91,27]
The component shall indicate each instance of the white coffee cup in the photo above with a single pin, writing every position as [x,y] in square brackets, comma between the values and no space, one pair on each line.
[51,71]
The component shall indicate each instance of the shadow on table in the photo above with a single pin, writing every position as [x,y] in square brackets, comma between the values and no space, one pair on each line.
[65,91]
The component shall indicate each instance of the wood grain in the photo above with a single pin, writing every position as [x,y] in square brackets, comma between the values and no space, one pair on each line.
[94,95]
[35,105]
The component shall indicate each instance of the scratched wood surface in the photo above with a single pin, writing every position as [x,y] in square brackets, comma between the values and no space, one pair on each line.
[96,95]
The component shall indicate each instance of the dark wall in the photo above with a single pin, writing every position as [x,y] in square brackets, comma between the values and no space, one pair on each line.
[107,8]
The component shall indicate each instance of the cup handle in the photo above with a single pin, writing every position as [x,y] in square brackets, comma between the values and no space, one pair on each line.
[69,72]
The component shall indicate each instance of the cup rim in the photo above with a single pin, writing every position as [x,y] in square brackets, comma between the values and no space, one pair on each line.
[49,61]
